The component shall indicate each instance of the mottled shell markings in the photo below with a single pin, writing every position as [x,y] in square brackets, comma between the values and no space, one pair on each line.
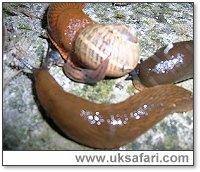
[118,119]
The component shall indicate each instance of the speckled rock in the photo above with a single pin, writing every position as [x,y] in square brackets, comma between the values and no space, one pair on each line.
[27,127]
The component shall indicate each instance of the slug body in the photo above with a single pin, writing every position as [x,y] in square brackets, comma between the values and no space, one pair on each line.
[100,49]
[107,126]
[65,20]
[170,64]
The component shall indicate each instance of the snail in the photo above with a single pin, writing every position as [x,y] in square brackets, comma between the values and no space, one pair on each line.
[92,51]
[97,42]
[107,126]
[170,64]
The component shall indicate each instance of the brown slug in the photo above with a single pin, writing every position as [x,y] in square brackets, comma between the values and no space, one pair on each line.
[170,64]
[107,126]
[65,20]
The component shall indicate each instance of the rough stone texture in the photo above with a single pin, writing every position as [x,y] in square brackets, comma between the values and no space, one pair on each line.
[26,127]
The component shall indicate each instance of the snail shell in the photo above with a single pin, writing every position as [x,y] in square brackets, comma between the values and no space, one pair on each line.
[96,42]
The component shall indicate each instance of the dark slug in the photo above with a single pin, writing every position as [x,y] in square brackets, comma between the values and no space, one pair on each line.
[170,64]
[106,126]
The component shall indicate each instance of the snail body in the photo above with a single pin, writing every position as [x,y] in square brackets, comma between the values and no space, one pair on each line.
[107,126]
[170,64]
[84,43]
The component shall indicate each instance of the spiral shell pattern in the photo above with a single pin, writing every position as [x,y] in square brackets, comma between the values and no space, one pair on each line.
[97,42]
